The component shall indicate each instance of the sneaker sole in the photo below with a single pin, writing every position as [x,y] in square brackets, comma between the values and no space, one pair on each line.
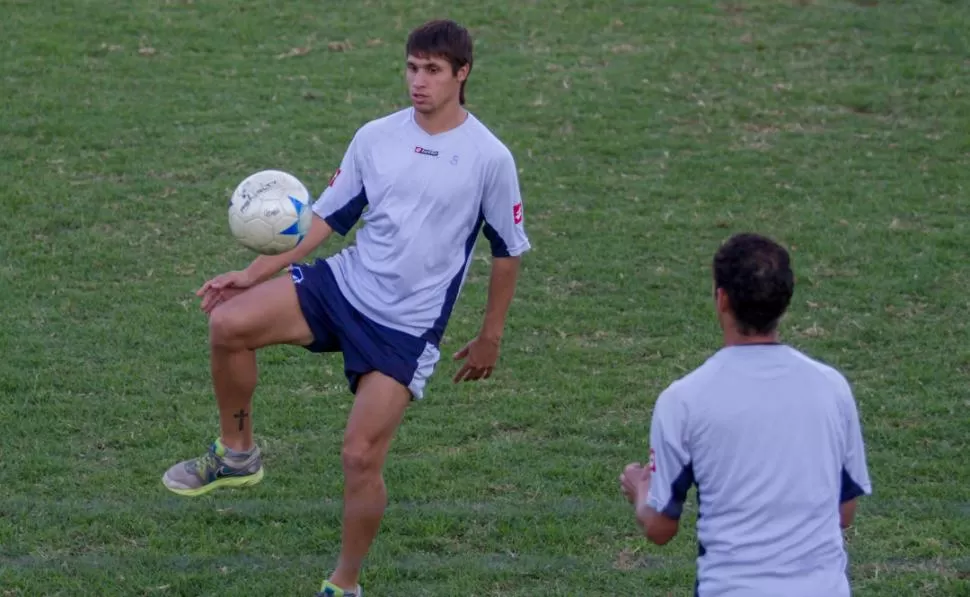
[245,481]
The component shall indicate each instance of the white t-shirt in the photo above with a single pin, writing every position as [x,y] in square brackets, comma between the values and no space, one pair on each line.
[771,439]
[427,197]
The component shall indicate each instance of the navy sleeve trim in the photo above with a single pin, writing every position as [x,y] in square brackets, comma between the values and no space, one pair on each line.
[344,218]
[678,492]
[850,489]
[499,248]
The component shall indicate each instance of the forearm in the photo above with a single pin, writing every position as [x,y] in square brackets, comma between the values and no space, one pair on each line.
[501,289]
[642,511]
[656,527]
[847,513]
[265,267]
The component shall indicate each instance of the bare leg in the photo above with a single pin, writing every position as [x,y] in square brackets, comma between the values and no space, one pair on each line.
[234,377]
[263,315]
[378,410]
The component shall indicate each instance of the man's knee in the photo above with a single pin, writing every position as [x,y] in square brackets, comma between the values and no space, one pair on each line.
[264,315]
[226,328]
[361,457]
[377,412]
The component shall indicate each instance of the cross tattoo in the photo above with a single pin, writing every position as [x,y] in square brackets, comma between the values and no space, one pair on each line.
[241,415]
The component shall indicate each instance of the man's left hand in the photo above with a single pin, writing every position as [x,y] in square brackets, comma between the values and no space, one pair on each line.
[481,354]
[634,479]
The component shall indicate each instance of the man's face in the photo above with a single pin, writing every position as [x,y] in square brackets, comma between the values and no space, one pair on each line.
[431,82]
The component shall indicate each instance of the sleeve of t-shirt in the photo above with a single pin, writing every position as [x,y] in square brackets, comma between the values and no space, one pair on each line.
[502,207]
[344,199]
[672,472]
[855,472]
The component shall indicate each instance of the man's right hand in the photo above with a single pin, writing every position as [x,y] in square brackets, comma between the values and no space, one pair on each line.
[222,288]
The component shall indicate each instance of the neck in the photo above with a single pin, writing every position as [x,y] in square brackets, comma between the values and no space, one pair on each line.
[735,338]
[448,117]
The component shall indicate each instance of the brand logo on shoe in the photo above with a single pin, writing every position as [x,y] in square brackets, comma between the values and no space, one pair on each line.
[225,471]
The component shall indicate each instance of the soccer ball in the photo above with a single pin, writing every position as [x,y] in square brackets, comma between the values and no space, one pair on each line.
[269,212]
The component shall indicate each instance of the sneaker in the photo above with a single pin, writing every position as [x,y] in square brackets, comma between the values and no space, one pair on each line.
[216,468]
[331,590]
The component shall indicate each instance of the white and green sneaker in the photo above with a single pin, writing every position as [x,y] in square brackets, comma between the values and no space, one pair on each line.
[219,467]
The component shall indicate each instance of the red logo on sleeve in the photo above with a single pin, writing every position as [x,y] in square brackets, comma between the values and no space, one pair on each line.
[333,178]
[517,213]
[653,461]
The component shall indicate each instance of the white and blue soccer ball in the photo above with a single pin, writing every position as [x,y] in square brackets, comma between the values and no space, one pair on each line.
[269,212]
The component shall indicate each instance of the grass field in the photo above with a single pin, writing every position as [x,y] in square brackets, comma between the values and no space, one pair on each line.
[645,133]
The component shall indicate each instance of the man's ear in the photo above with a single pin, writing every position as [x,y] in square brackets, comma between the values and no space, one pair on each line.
[721,298]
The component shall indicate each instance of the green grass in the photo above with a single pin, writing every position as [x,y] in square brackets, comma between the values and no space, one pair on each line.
[646,133]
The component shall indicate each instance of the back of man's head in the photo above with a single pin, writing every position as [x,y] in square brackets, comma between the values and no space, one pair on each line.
[755,273]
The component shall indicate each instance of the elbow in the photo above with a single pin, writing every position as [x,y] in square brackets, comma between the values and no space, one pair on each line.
[661,530]
[657,528]
[658,537]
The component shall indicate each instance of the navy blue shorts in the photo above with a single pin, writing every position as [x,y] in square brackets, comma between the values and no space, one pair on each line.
[366,345]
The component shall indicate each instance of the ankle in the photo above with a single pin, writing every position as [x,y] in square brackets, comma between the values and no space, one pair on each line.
[238,447]
[345,582]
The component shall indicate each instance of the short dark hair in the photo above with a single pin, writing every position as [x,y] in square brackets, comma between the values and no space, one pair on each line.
[445,39]
[755,273]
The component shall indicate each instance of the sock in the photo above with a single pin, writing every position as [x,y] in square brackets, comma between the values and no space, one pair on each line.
[236,456]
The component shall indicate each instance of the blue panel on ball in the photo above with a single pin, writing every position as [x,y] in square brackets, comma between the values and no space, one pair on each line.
[295,228]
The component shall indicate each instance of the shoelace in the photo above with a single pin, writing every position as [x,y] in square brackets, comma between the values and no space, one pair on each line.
[205,463]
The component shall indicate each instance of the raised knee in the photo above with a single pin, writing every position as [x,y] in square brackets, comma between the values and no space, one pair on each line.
[225,328]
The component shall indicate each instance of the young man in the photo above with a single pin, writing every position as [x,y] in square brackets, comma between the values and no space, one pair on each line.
[771,439]
[431,177]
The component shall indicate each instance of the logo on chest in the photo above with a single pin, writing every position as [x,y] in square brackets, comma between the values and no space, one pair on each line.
[424,151]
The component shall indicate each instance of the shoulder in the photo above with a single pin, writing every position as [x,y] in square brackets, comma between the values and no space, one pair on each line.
[676,398]
[491,149]
[834,384]
[688,393]
[832,376]
[377,129]
[699,379]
